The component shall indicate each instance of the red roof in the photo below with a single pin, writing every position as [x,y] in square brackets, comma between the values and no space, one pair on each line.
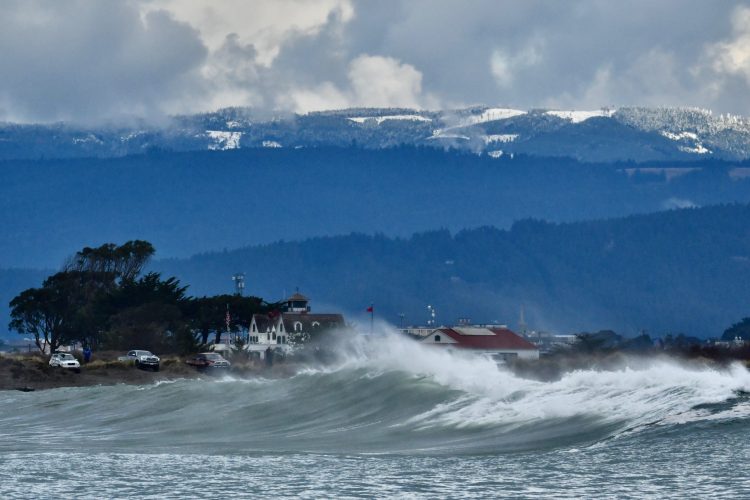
[503,338]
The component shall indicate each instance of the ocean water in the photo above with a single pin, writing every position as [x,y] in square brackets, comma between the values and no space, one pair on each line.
[391,420]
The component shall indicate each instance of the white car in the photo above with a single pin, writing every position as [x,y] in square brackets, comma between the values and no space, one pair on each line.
[141,359]
[65,360]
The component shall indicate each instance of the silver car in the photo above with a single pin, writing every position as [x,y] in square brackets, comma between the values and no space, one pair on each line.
[65,360]
[141,359]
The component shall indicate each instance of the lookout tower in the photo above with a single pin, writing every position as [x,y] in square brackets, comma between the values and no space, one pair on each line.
[297,303]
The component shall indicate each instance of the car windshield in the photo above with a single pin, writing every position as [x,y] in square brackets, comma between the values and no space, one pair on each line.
[66,357]
[214,357]
[143,353]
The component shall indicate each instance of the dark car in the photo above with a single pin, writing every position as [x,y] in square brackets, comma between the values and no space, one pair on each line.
[208,360]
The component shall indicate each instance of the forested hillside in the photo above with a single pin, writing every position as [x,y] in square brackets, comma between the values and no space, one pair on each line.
[677,271]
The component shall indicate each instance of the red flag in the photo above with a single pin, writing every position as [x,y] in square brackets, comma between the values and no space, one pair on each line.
[370,309]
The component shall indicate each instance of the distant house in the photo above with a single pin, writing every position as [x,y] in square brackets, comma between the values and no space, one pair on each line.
[497,342]
[294,324]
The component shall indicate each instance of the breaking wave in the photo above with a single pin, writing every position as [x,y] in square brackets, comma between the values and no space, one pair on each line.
[388,396]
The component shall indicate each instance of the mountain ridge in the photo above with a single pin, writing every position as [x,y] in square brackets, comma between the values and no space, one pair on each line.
[607,134]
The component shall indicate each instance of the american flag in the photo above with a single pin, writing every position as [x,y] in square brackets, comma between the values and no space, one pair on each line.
[228,318]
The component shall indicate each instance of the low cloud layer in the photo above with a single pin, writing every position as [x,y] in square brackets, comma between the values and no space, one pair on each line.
[91,61]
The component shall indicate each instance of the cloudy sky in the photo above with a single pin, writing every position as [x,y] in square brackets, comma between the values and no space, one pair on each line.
[91,60]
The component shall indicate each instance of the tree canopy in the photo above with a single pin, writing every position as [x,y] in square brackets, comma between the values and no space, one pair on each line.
[101,299]
[740,329]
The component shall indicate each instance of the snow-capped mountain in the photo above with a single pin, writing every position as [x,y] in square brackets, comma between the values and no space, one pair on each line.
[606,134]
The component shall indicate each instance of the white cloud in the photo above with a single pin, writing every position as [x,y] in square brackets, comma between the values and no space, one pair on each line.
[373,81]
[732,57]
[505,68]
[501,68]
[385,82]
[319,98]
[264,23]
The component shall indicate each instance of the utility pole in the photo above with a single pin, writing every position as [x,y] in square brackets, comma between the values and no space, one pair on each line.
[372,317]
[522,322]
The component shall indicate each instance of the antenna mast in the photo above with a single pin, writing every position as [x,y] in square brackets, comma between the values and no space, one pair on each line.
[239,283]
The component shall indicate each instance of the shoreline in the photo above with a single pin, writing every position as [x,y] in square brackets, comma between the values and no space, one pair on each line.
[32,373]
[28,373]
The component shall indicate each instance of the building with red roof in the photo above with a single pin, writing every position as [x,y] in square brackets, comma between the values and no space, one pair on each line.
[498,342]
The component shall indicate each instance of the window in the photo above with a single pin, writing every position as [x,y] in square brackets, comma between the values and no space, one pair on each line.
[297,326]
[437,338]
[268,336]
[274,336]
[315,325]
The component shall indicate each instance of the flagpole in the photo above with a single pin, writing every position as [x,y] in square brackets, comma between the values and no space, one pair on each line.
[372,317]
[227,319]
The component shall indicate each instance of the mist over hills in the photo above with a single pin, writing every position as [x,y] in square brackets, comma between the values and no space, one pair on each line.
[604,135]
[186,203]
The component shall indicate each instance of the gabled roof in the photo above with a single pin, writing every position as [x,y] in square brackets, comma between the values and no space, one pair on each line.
[486,338]
[263,322]
[307,320]
[297,297]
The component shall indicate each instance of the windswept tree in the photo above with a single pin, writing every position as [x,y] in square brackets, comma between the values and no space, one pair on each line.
[48,313]
[101,299]
[147,312]
[109,261]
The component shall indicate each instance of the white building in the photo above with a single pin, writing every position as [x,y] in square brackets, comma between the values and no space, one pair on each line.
[279,331]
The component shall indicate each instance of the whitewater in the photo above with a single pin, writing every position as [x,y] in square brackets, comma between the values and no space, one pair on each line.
[389,419]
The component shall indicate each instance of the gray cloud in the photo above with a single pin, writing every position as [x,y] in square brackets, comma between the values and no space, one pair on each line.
[85,60]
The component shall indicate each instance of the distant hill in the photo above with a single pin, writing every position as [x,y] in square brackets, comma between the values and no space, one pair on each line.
[190,202]
[604,135]
[680,271]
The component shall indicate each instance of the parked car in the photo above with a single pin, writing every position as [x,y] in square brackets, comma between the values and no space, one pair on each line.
[141,359]
[65,360]
[206,360]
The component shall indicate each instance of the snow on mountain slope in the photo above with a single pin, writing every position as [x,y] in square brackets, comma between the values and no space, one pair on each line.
[690,142]
[678,120]
[487,115]
[639,134]
[489,139]
[381,119]
[223,140]
[580,116]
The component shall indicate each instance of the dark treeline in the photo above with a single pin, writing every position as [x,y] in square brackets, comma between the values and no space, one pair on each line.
[675,272]
[101,299]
